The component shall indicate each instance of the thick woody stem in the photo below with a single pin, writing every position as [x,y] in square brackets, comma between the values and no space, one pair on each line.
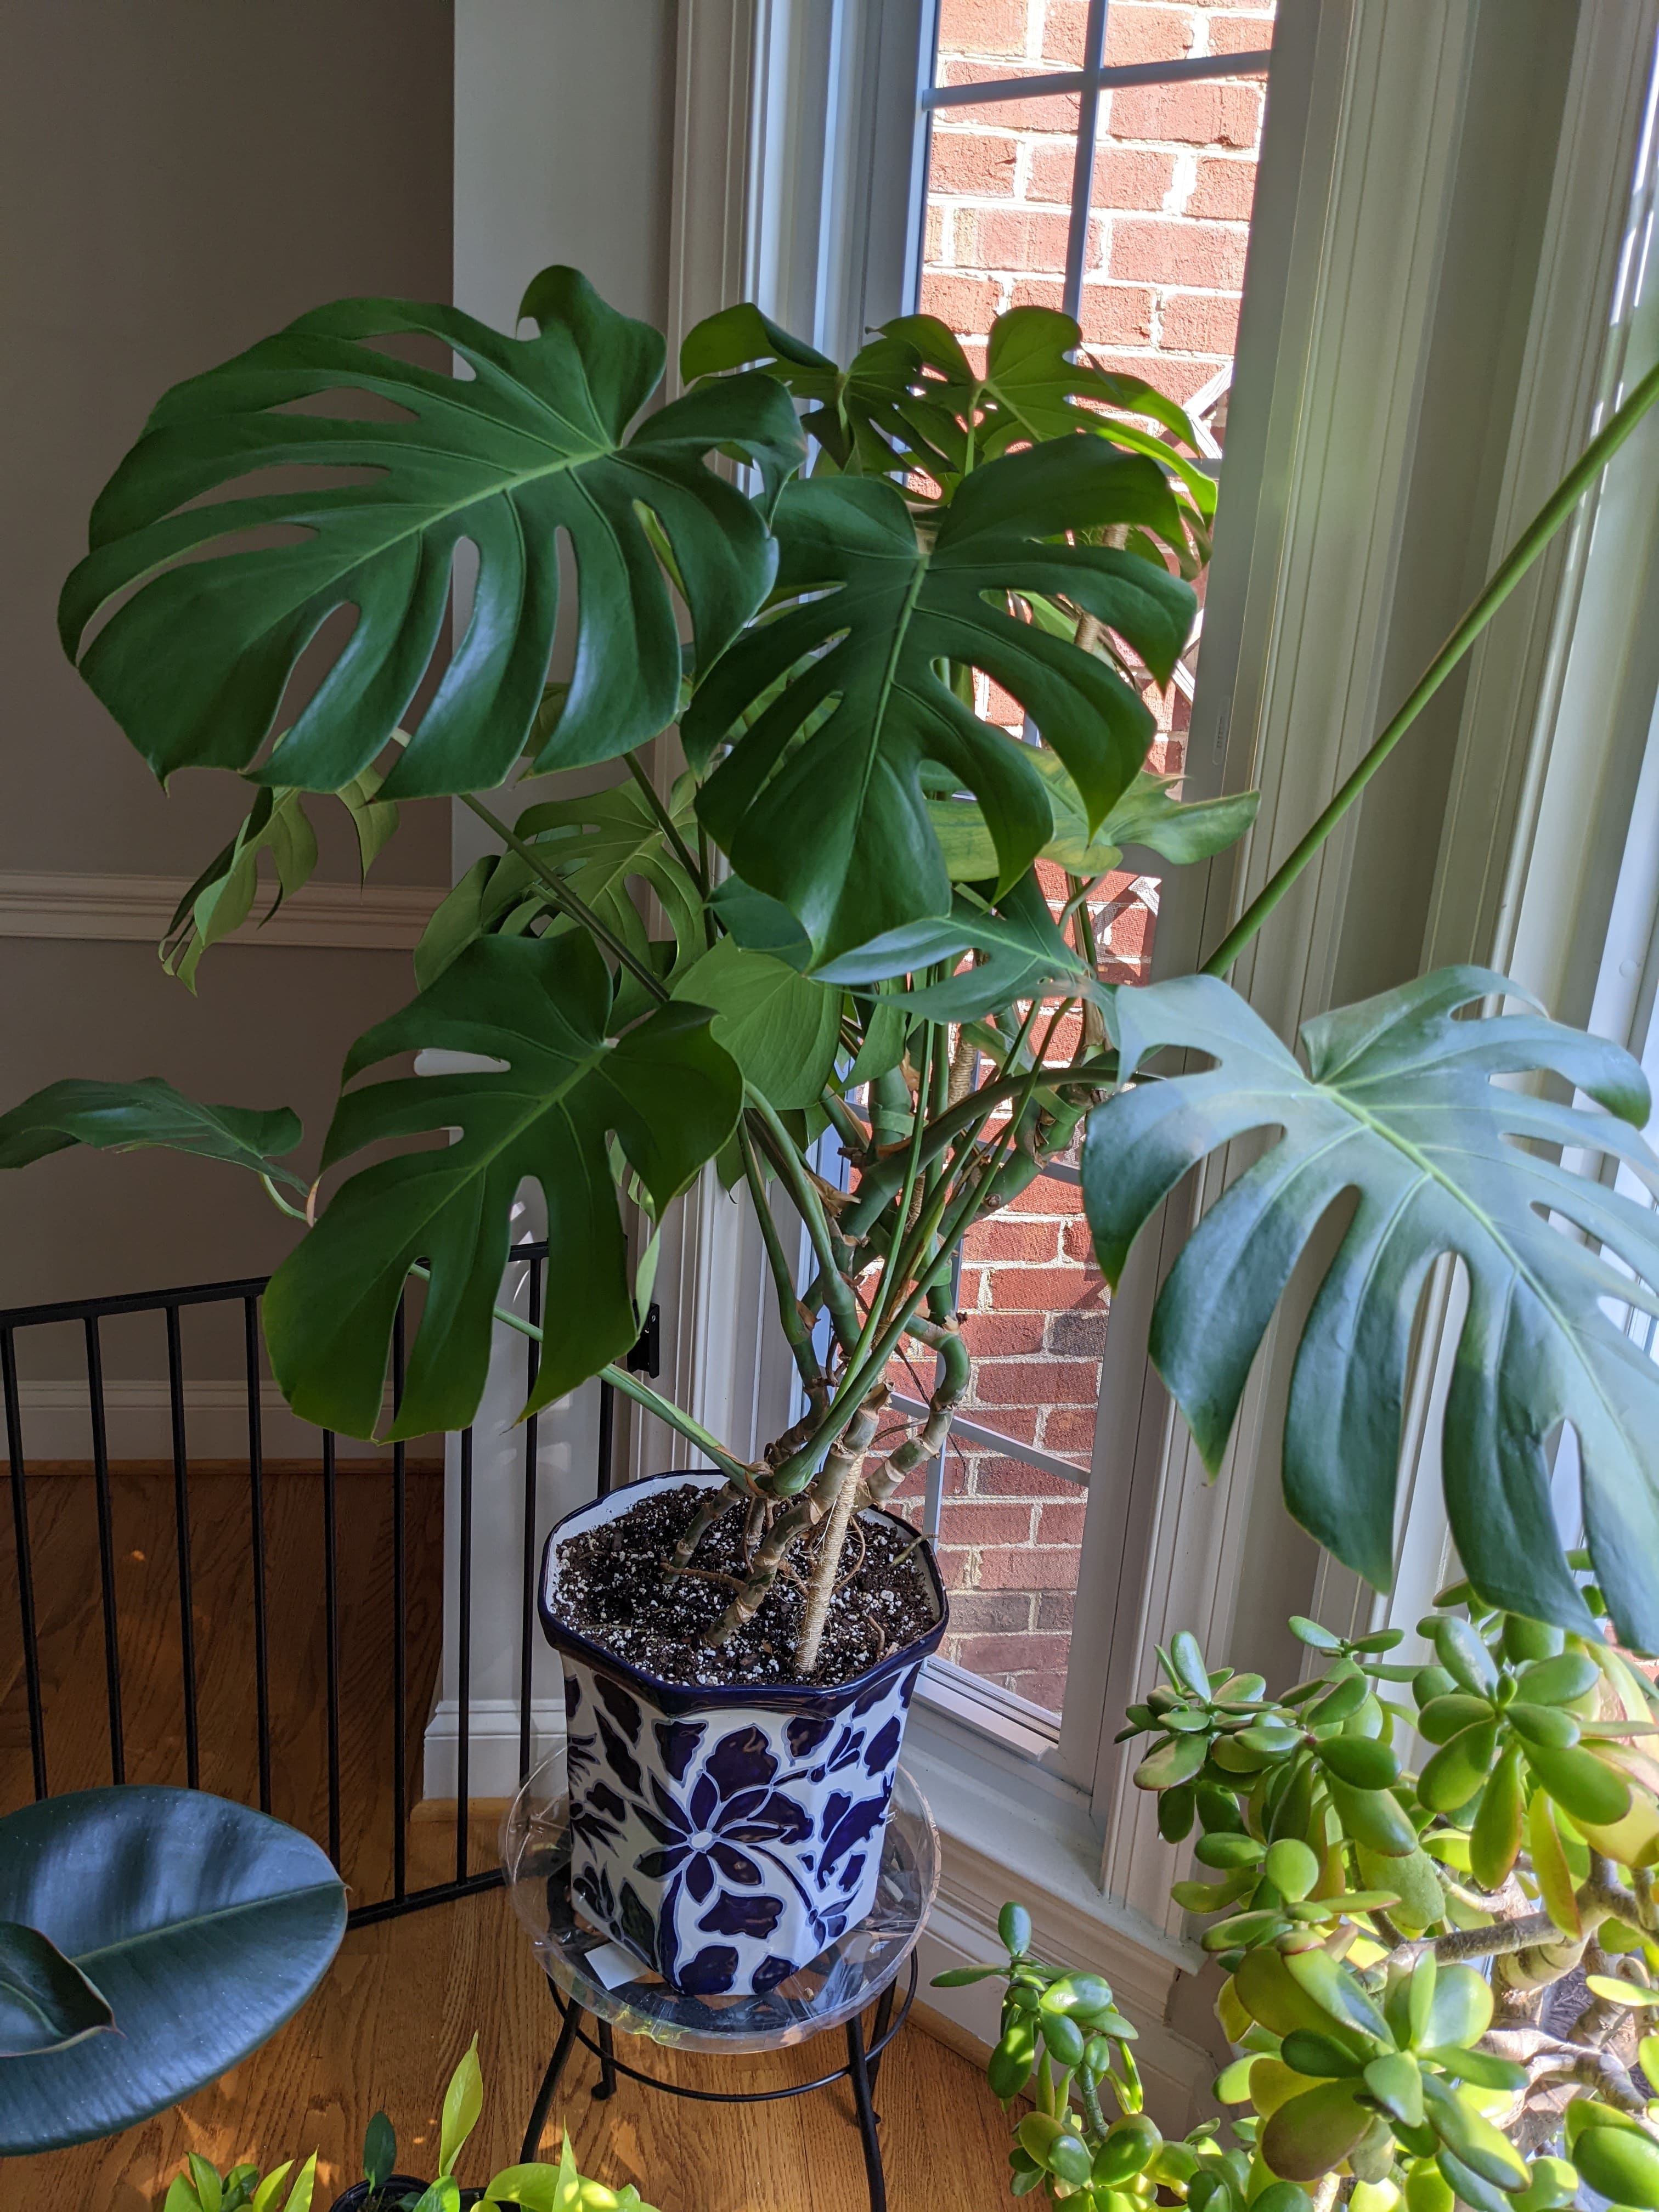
[837,1491]
[716,1503]
[793,1522]
[930,1439]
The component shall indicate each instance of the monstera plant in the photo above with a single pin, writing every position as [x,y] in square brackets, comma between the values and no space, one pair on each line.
[1439,1976]
[859,909]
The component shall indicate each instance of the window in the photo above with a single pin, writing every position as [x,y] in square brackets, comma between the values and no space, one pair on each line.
[1101,160]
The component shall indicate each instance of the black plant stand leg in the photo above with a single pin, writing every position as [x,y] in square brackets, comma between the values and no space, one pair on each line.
[858,2073]
[555,2065]
[607,2081]
[884,2021]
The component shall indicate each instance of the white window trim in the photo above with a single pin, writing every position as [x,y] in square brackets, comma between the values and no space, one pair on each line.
[1555,722]
[1349,234]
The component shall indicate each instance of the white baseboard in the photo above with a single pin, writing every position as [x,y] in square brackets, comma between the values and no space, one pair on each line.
[57,1423]
[492,1745]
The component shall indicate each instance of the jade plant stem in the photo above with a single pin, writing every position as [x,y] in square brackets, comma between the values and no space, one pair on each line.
[1513,566]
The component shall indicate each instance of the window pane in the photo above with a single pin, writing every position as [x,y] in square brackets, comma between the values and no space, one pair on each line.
[1172,189]
[999,207]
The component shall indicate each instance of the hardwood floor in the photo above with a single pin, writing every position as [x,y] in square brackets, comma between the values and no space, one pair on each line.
[405,1998]
[400,2007]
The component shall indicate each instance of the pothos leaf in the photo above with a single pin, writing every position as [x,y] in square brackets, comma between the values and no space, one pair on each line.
[1399,1104]
[530,445]
[541,1010]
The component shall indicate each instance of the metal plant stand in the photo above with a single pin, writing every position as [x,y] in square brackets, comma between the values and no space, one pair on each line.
[862,1968]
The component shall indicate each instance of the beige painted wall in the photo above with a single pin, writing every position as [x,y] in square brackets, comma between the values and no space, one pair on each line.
[179,178]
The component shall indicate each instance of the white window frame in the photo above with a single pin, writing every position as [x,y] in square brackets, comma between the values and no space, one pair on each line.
[1366,111]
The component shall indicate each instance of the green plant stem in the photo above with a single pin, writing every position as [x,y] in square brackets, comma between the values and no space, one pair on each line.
[882,1303]
[798,1470]
[734,1468]
[843,1309]
[568,901]
[688,859]
[854,1137]
[799,1336]
[1533,538]
[294,1212]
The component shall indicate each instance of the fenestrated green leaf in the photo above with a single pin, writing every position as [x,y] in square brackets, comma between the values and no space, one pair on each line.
[1146,815]
[780,1027]
[820,801]
[532,446]
[665,1090]
[46,2002]
[126,1117]
[1037,384]
[204,1925]
[1399,1104]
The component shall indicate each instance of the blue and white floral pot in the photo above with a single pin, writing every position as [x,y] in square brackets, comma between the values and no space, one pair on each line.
[726,1836]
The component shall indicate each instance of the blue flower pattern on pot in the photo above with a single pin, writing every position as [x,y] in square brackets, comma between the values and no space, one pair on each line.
[728,1850]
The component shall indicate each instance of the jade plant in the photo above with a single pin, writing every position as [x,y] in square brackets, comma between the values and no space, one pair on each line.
[836,934]
[1431,1889]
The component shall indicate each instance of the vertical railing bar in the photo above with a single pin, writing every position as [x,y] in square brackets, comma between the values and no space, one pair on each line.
[607,1433]
[464,1611]
[331,1634]
[399,1632]
[527,1608]
[20,1523]
[1083,164]
[182,1531]
[118,1762]
[256,1479]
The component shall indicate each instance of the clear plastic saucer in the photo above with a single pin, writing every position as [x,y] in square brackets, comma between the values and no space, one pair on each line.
[823,1994]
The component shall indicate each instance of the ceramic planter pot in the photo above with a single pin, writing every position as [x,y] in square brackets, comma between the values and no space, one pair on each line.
[726,1835]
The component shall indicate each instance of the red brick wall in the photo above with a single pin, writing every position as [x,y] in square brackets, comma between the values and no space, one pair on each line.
[1174,174]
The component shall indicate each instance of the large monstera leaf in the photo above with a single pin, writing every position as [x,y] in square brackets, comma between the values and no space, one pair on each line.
[1398,1105]
[663,1090]
[821,800]
[530,445]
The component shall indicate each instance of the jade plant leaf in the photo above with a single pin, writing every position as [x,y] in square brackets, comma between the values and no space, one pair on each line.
[204,1925]
[833,706]
[126,1117]
[529,444]
[1399,1104]
[46,2002]
[562,1087]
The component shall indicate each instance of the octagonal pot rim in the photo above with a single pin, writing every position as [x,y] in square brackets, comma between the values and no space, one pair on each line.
[669,1697]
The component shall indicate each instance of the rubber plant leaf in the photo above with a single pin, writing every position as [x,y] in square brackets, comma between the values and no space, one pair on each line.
[1398,1105]
[527,443]
[46,2002]
[205,1925]
[126,1117]
[554,1086]
[833,705]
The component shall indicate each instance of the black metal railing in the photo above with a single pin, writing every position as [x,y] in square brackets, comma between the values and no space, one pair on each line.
[125,1749]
